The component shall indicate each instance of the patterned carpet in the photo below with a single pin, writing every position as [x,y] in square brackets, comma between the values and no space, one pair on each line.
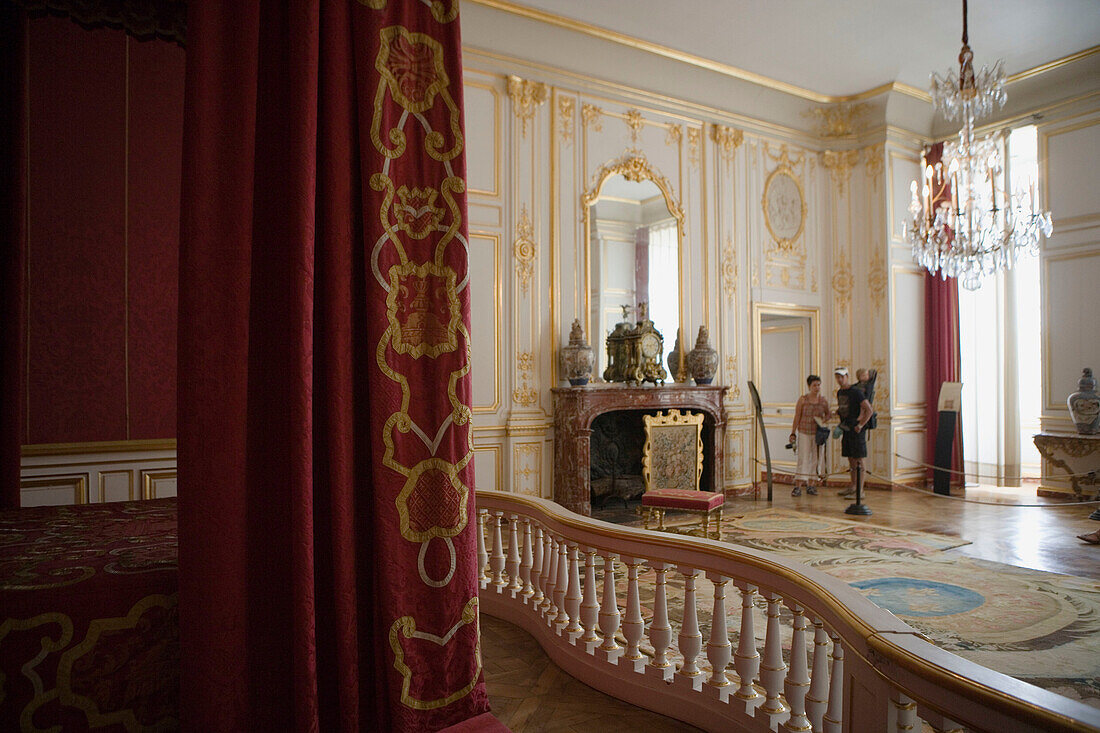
[1040,627]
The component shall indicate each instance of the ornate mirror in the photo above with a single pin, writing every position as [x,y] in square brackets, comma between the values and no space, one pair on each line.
[633,232]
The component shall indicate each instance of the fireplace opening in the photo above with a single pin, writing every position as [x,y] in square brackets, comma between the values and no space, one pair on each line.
[615,456]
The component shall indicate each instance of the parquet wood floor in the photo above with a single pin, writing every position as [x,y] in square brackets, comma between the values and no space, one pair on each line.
[528,692]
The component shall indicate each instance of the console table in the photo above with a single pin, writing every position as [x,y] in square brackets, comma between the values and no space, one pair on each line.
[1076,454]
[576,407]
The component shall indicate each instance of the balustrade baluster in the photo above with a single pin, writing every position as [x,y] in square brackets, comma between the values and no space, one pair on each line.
[746,658]
[525,567]
[772,669]
[905,714]
[562,585]
[798,678]
[514,583]
[536,569]
[496,562]
[718,645]
[573,597]
[590,608]
[660,632]
[634,625]
[609,608]
[817,699]
[551,579]
[689,639]
[834,716]
[482,554]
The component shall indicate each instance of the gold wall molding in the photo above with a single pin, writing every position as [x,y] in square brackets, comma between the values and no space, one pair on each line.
[103,478]
[110,446]
[728,139]
[77,482]
[526,96]
[524,249]
[494,240]
[496,455]
[527,468]
[675,135]
[840,120]
[733,378]
[839,164]
[635,122]
[494,192]
[566,107]
[150,479]
[525,395]
[591,117]
[882,387]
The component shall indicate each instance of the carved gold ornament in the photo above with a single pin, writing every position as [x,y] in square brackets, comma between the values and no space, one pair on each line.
[591,116]
[526,96]
[524,249]
[634,121]
[840,120]
[694,142]
[840,164]
[728,140]
[635,167]
[877,280]
[729,270]
[525,395]
[566,107]
[785,207]
[675,135]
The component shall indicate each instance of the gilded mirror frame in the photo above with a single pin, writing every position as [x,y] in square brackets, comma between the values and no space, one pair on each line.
[634,167]
[784,309]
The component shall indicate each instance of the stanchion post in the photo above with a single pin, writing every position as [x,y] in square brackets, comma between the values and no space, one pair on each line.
[859,507]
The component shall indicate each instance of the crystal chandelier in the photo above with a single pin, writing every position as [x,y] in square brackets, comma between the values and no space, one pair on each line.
[984,226]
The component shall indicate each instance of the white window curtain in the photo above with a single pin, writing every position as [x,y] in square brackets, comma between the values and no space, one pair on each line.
[664,285]
[999,334]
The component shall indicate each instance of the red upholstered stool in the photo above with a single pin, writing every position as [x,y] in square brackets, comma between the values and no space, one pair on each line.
[708,503]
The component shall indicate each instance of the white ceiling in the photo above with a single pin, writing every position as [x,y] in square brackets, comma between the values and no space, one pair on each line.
[848,46]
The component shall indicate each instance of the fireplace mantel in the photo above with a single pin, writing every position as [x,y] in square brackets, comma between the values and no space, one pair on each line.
[576,407]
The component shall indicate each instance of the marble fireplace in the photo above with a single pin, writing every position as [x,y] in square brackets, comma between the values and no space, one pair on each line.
[575,409]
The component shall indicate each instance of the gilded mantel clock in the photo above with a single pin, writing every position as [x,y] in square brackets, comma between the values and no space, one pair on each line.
[634,354]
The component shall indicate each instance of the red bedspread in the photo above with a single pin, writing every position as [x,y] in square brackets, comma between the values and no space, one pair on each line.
[89,638]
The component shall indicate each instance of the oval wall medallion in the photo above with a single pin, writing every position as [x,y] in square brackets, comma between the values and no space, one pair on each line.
[784,207]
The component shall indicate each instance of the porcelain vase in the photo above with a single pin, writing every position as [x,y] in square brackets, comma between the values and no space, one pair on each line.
[1084,405]
[674,359]
[703,360]
[577,359]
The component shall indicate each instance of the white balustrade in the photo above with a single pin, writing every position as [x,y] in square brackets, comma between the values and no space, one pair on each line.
[573,595]
[690,640]
[817,698]
[515,584]
[548,584]
[634,625]
[525,568]
[482,554]
[718,646]
[609,609]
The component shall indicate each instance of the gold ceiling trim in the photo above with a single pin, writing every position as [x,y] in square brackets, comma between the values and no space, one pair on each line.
[657,49]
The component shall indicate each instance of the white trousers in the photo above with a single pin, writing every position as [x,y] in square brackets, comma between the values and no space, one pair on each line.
[810,459]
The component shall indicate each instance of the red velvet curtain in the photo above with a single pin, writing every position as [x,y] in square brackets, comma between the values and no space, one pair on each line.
[327,555]
[941,344]
[13,245]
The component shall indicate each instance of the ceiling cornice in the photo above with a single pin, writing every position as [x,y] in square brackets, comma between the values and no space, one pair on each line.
[657,49]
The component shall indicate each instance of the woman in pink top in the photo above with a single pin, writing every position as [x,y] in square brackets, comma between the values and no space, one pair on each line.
[809,406]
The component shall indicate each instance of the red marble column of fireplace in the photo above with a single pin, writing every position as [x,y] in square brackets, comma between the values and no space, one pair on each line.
[576,407]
